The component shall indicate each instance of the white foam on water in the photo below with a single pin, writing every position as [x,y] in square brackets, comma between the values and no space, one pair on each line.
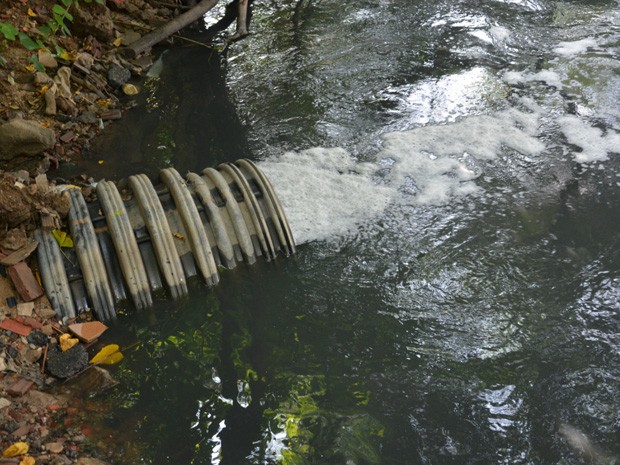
[549,77]
[326,193]
[594,143]
[576,47]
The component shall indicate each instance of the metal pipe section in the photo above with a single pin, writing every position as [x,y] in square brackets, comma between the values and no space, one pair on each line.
[160,237]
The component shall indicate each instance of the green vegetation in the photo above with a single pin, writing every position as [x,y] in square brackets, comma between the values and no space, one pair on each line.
[58,24]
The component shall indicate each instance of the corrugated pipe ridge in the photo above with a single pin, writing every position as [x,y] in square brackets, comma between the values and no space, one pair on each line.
[160,237]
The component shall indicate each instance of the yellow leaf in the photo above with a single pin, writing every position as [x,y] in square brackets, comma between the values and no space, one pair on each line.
[30,68]
[101,162]
[27,460]
[67,56]
[43,89]
[15,449]
[66,342]
[109,355]
[118,41]
[179,236]
[31,13]
[63,239]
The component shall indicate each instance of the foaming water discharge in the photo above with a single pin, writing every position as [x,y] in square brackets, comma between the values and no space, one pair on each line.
[159,236]
[327,193]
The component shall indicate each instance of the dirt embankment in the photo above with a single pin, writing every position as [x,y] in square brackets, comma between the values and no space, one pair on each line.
[55,99]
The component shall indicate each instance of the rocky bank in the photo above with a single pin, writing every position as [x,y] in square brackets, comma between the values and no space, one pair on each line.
[53,101]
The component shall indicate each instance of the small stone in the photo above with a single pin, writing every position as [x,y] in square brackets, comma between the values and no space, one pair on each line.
[25,308]
[90,461]
[46,312]
[117,76]
[42,182]
[48,330]
[32,355]
[20,387]
[41,78]
[130,89]
[22,431]
[88,117]
[54,447]
[130,37]
[22,175]
[38,338]
[47,60]
[4,402]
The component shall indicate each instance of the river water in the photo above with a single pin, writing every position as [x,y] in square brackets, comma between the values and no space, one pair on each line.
[451,172]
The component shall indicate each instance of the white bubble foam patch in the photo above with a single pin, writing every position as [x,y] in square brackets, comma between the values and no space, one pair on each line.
[595,145]
[326,193]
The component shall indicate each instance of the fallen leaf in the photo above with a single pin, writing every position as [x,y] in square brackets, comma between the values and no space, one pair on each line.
[15,449]
[118,41]
[129,89]
[179,236]
[27,460]
[100,162]
[67,56]
[63,239]
[31,13]
[109,355]
[66,341]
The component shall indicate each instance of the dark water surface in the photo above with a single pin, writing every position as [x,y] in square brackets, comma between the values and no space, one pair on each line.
[464,320]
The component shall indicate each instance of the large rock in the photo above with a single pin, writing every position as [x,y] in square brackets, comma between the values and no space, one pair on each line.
[117,75]
[66,364]
[23,137]
[95,20]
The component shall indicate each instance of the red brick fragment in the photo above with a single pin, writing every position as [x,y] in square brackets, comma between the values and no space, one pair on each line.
[20,387]
[89,331]
[29,321]
[15,326]
[24,281]
[67,137]
[53,407]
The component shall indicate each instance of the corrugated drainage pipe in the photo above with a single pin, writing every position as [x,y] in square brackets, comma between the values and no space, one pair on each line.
[126,249]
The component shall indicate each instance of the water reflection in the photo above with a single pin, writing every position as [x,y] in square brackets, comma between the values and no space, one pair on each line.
[184,118]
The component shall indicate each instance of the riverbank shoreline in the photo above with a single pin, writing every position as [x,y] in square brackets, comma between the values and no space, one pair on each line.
[53,103]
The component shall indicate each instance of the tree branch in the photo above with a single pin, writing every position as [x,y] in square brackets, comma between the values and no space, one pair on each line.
[161,33]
